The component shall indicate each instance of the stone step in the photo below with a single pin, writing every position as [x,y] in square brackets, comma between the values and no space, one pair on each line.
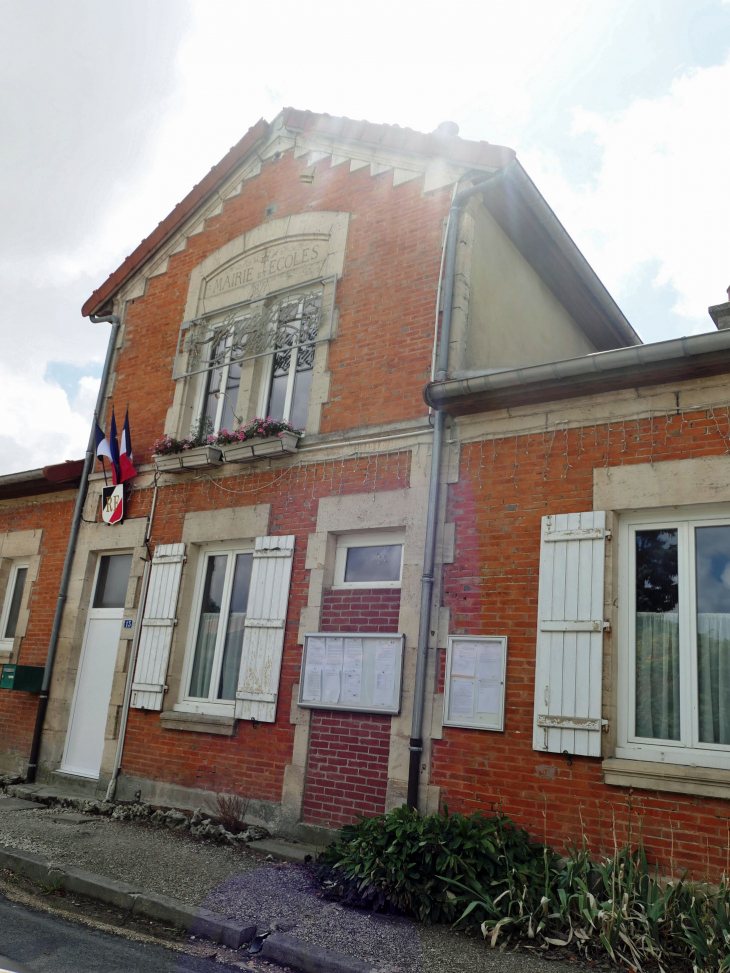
[75,786]
[292,851]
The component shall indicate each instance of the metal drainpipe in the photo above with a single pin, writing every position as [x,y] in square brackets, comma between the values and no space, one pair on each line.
[70,551]
[429,556]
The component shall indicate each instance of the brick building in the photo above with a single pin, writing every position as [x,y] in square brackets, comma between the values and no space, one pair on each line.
[325,273]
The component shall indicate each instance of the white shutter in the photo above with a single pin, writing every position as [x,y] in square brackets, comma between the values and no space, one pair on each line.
[570,628]
[158,622]
[263,634]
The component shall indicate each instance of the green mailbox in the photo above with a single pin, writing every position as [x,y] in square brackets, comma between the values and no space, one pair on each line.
[26,678]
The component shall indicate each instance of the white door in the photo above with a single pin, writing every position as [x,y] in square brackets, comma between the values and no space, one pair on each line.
[85,737]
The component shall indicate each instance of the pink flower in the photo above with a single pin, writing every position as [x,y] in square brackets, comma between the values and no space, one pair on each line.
[280,435]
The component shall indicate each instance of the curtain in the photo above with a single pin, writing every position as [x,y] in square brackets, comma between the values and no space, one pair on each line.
[232,656]
[657,675]
[204,652]
[713,664]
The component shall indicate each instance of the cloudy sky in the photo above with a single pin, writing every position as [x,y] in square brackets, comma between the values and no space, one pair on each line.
[112,110]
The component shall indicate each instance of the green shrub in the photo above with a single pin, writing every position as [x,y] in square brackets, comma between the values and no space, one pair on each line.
[486,871]
[409,863]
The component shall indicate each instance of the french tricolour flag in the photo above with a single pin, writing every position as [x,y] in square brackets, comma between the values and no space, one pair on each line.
[119,455]
[126,469]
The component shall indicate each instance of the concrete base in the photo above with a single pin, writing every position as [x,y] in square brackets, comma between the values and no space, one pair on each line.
[286,851]
[266,814]
[72,786]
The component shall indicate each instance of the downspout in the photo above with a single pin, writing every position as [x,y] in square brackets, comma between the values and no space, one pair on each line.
[429,555]
[70,552]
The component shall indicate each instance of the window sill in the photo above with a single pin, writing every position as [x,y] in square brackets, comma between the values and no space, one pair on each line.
[198,723]
[657,776]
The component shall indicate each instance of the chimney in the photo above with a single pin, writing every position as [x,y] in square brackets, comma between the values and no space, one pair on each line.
[446,128]
[720,313]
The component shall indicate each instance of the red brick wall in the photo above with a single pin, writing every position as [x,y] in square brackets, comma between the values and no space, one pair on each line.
[381,357]
[492,589]
[253,761]
[361,610]
[378,363]
[53,517]
[347,772]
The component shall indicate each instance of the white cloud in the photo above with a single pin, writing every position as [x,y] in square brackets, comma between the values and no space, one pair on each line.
[659,195]
[39,424]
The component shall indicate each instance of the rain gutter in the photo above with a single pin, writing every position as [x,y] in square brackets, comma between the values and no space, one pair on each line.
[638,365]
[70,552]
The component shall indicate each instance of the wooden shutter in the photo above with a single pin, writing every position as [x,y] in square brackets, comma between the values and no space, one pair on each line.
[158,622]
[263,633]
[569,664]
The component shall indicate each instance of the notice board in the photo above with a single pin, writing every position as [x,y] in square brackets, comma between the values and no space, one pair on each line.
[474,683]
[352,671]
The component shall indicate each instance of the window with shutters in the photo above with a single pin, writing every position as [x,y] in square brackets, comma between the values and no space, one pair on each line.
[571,625]
[674,604]
[213,656]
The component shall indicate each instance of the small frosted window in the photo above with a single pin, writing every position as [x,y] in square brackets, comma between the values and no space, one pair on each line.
[373,563]
[111,584]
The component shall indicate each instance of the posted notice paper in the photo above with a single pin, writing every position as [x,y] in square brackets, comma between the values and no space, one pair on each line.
[351,685]
[488,696]
[312,683]
[489,664]
[333,653]
[385,654]
[384,686]
[330,685]
[353,655]
[462,697]
[315,652]
[463,659]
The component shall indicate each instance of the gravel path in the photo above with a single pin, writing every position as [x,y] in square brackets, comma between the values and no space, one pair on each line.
[238,884]
[166,862]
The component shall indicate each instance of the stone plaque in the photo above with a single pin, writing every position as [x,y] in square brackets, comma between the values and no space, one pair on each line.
[268,269]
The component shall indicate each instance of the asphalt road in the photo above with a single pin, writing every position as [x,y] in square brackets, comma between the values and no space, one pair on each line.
[46,943]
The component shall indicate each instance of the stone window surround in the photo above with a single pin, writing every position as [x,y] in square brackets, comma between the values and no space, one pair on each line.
[367,539]
[688,484]
[16,547]
[400,509]
[234,526]
[95,540]
[327,231]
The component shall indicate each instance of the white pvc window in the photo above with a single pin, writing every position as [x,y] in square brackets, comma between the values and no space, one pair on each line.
[675,639]
[11,605]
[369,560]
[216,637]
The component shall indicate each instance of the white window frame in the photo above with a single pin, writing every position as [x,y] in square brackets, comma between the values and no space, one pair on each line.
[203,394]
[6,644]
[369,539]
[268,376]
[688,750]
[194,704]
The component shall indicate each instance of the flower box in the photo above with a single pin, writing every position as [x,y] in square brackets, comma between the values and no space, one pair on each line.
[251,449]
[200,458]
